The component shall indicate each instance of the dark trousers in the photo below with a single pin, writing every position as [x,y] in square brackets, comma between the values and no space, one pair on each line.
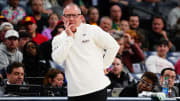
[96,96]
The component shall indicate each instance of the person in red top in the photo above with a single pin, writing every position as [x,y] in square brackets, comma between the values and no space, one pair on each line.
[31,27]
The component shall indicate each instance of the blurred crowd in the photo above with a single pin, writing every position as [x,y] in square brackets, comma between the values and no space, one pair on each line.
[148,32]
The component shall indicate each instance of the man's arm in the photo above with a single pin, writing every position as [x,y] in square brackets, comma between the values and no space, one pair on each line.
[61,47]
[107,42]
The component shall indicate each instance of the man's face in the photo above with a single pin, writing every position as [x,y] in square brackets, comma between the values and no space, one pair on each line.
[171,75]
[145,84]
[106,25]
[37,6]
[17,76]
[157,25]
[14,3]
[162,50]
[72,16]
[31,28]
[116,13]
[134,22]
[11,43]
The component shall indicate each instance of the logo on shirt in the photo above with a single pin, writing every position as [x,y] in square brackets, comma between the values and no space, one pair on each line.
[85,40]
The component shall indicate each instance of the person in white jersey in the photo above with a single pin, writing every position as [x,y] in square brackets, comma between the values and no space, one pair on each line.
[86,51]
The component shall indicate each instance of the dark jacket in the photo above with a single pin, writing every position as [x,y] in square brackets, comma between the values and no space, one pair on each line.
[130,91]
[121,82]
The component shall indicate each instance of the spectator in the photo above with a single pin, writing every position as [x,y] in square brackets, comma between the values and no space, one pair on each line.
[46,47]
[146,83]
[34,66]
[132,53]
[31,27]
[124,25]
[170,73]
[54,78]
[52,20]
[2,19]
[158,62]
[173,16]
[4,27]
[119,79]
[13,13]
[15,73]
[37,12]
[119,37]
[106,24]
[115,14]
[149,8]
[158,33]
[93,16]
[134,25]
[9,52]
[24,37]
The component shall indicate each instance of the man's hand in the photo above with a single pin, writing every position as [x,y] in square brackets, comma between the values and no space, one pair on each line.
[68,28]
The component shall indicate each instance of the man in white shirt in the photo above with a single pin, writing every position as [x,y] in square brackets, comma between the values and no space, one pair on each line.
[157,63]
[81,49]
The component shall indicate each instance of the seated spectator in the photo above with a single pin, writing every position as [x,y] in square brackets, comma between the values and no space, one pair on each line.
[132,53]
[15,74]
[170,73]
[124,25]
[46,47]
[93,16]
[134,24]
[119,79]
[173,16]
[2,19]
[31,27]
[54,78]
[34,66]
[115,14]
[52,20]
[38,14]
[106,24]
[24,37]
[4,27]
[158,32]
[158,62]
[146,83]
[13,13]
[9,52]
[119,37]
